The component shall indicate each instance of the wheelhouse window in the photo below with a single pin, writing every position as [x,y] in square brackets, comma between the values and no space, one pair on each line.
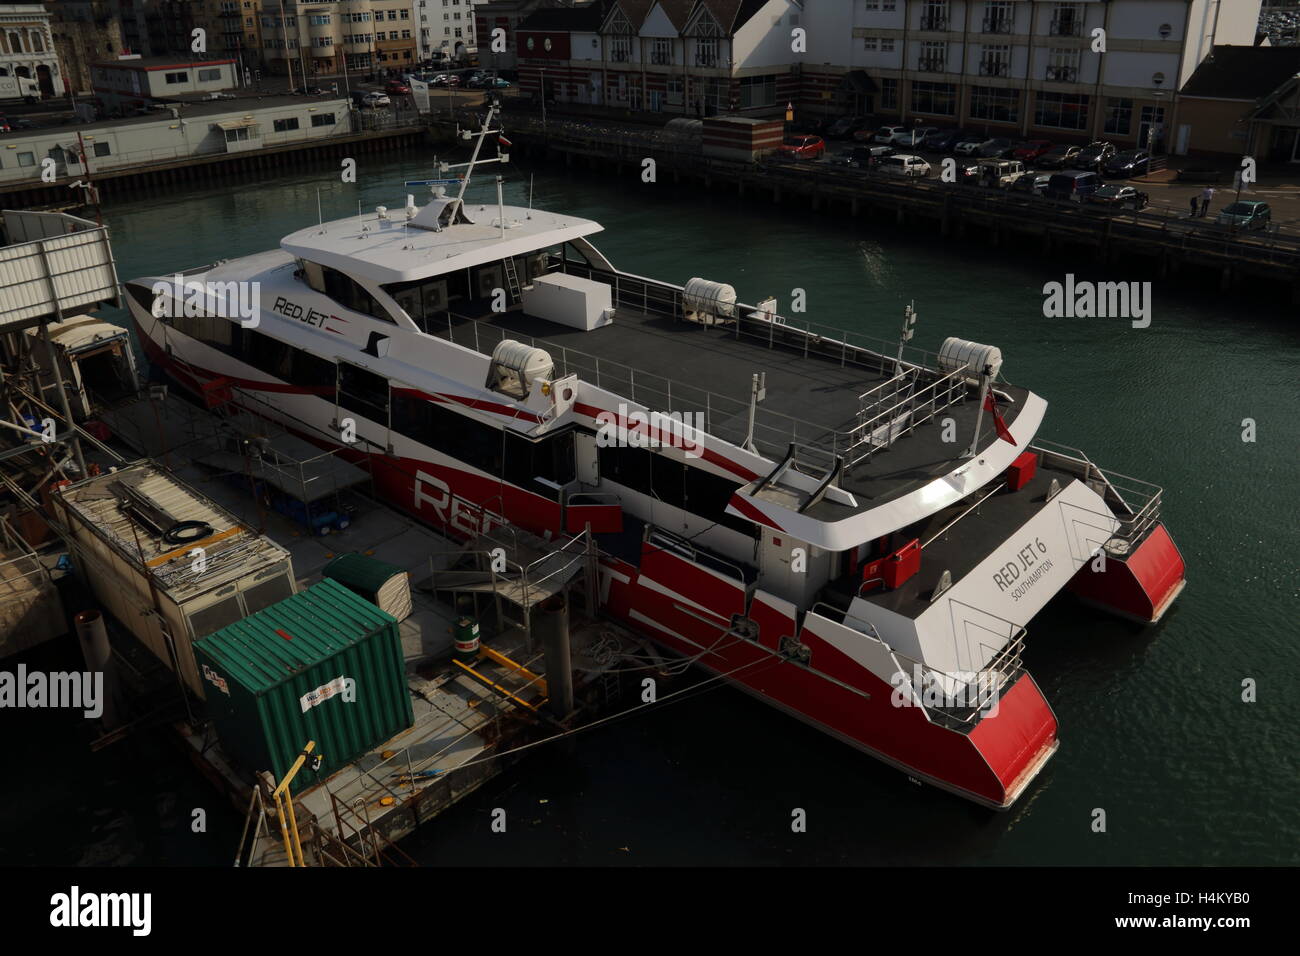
[364,392]
[344,290]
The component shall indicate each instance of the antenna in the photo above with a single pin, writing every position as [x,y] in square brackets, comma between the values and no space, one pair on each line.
[320,220]
[909,329]
[484,130]
[530,195]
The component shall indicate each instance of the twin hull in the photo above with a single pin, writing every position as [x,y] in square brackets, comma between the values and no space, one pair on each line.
[847,686]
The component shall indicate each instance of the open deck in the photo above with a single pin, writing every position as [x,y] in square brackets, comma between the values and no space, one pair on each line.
[826,391]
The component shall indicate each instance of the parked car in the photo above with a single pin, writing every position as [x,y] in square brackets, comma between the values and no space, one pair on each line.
[968,173]
[1130,163]
[396,88]
[997,148]
[1059,157]
[375,100]
[1031,150]
[803,147]
[1074,185]
[1033,183]
[499,84]
[4,125]
[970,144]
[845,127]
[1000,172]
[885,135]
[1117,196]
[943,140]
[309,91]
[1093,156]
[905,165]
[864,157]
[913,138]
[1245,214]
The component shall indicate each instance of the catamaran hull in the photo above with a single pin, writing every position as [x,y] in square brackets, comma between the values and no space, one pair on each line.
[679,608]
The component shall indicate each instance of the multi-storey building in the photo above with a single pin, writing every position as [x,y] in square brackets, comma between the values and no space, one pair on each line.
[29,64]
[505,15]
[447,28]
[1018,67]
[694,57]
[326,38]
[84,32]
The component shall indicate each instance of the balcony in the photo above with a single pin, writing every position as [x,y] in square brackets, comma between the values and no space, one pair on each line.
[932,64]
[1063,74]
[1068,27]
[619,56]
[661,59]
[934,21]
[998,25]
[706,59]
[994,68]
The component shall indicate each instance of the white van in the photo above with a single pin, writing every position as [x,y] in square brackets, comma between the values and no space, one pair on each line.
[911,167]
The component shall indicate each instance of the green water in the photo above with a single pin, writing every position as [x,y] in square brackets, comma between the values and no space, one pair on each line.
[1153,727]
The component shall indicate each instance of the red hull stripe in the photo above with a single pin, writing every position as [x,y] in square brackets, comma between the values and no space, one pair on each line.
[752,513]
[1013,736]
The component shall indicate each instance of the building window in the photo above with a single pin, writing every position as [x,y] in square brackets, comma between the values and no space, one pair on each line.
[934,15]
[757,91]
[886,44]
[933,57]
[999,16]
[206,76]
[1067,20]
[1063,66]
[882,5]
[177,77]
[620,50]
[661,52]
[285,125]
[995,61]
[26,159]
[102,149]
[1119,116]
[995,105]
[1061,110]
[323,119]
[871,44]
[321,20]
[706,51]
[939,99]
[889,93]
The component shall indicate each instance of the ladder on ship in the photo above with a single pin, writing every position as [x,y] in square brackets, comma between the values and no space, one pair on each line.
[512,279]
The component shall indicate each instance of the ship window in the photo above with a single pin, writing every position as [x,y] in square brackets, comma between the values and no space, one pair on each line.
[267,354]
[308,371]
[363,392]
[419,298]
[346,291]
[550,459]
[668,478]
[629,467]
[707,495]
[431,423]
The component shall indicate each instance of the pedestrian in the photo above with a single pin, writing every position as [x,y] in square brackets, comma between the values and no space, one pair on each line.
[1206,196]
[1193,200]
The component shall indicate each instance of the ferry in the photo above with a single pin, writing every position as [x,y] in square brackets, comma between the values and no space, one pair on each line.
[858,534]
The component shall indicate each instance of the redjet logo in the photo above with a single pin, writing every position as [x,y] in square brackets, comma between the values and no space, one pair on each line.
[435,495]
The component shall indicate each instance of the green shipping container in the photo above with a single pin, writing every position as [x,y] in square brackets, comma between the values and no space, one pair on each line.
[323,665]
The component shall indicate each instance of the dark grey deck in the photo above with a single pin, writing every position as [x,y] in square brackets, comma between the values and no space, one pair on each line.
[809,396]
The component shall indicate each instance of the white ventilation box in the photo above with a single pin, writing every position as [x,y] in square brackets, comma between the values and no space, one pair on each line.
[570,300]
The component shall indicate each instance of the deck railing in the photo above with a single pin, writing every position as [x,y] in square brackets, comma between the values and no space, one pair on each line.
[1136,503]
[726,417]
